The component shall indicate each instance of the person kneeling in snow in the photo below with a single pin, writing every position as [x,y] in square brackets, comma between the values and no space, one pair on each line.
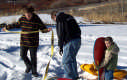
[111,57]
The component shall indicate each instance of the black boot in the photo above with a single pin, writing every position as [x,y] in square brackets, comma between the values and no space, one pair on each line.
[35,74]
[28,69]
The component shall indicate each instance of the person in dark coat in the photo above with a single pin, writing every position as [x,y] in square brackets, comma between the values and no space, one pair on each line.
[69,41]
[31,24]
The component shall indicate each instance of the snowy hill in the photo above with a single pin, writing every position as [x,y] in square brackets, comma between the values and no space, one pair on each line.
[12,67]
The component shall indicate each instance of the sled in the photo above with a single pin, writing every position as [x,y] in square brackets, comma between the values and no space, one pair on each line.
[98,54]
[90,68]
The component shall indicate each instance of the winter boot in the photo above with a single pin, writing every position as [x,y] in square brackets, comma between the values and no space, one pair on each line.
[28,69]
[35,74]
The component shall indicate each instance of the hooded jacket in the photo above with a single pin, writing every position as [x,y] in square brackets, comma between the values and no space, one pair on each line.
[67,29]
[111,57]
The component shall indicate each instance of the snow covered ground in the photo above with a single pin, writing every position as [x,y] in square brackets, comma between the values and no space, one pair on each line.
[12,67]
[46,18]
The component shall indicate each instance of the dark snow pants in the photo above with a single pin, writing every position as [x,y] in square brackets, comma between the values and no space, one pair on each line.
[30,63]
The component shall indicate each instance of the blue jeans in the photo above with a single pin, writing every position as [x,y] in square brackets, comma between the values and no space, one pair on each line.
[109,74]
[69,58]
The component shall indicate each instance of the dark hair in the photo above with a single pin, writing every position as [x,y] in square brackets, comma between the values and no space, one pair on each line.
[27,9]
[109,39]
[53,13]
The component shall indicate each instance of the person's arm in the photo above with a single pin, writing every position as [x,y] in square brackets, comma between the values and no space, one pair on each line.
[109,54]
[44,29]
[11,26]
[14,25]
[60,33]
[115,49]
[107,58]
[42,26]
[3,25]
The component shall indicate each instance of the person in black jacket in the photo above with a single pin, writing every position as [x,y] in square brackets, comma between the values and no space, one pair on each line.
[69,42]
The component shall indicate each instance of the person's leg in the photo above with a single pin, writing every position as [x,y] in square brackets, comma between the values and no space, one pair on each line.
[109,74]
[33,55]
[23,54]
[66,61]
[69,58]
[74,50]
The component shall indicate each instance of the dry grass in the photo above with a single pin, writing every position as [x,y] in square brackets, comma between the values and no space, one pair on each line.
[106,18]
[108,13]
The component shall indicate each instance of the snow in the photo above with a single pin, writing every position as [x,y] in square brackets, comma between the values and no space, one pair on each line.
[46,18]
[12,66]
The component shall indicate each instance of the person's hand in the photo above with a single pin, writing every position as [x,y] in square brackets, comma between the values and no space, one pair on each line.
[97,67]
[49,29]
[61,52]
[3,29]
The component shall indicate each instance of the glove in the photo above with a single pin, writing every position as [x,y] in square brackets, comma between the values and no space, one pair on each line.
[3,29]
[61,52]
[97,67]
[49,29]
